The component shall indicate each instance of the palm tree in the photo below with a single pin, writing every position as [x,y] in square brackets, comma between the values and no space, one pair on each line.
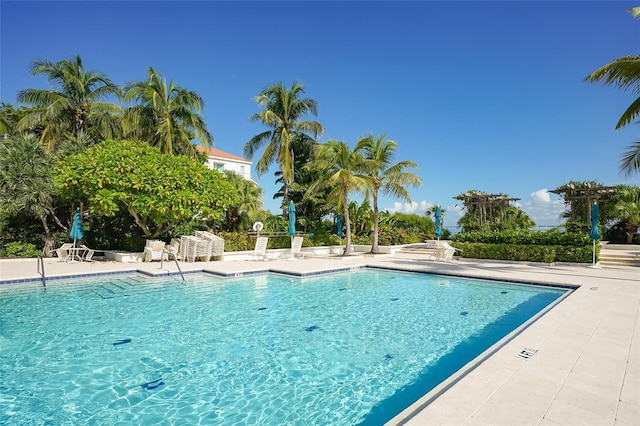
[628,209]
[630,162]
[389,178]
[624,73]
[76,105]
[248,207]
[282,111]
[167,116]
[343,171]
[26,184]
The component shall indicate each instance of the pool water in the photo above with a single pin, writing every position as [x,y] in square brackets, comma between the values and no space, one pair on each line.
[337,349]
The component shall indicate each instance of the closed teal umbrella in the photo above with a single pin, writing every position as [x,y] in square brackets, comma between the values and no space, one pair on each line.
[438,215]
[76,228]
[292,219]
[594,232]
[339,225]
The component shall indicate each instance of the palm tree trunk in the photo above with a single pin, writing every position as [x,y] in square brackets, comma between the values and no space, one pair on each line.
[374,246]
[347,224]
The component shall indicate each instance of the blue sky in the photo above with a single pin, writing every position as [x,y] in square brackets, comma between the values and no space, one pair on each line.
[482,95]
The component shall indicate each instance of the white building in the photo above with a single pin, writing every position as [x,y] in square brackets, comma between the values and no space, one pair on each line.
[220,160]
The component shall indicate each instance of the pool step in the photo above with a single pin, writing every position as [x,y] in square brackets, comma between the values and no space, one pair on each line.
[122,287]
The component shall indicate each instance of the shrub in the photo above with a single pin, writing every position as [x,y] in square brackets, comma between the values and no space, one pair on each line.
[21,249]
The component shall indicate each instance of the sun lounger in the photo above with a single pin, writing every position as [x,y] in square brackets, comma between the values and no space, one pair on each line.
[63,252]
[154,250]
[217,244]
[296,249]
[88,253]
[444,251]
[194,248]
[260,250]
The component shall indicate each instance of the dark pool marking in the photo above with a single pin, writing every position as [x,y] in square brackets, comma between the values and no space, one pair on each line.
[152,385]
[393,299]
[313,327]
[388,357]
[342,289]
[121,342]
[262,309]
[504,292]
[464,313]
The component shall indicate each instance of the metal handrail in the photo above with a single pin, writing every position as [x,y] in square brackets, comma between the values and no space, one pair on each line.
[175,259]
[41,271]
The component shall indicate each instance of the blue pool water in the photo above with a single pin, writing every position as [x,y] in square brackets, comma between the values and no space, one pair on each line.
[335,349]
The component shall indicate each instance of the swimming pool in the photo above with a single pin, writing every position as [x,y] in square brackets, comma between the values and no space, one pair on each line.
[344,348]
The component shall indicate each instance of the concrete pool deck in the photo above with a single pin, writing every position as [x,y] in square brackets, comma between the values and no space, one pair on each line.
[585,368]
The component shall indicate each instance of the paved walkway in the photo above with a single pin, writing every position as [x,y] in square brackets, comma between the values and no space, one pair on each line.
[586,370]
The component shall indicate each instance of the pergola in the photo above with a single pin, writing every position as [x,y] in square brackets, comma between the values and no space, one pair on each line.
[485,204]
[583,195]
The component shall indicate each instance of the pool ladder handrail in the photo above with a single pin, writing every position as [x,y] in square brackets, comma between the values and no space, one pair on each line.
[41,271]
[175,259]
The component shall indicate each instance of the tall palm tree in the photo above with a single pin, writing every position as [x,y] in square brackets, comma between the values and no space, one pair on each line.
[624,73]
[167,116]
[77,104]
[388,177]
[282,111]
[343,171]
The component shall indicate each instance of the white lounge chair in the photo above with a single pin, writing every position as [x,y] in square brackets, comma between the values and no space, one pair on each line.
[154,250]
[217,244]
[444,251]
[63,252]
[173,249]
[296,248]
[260,251]
[194,248]
[88,253]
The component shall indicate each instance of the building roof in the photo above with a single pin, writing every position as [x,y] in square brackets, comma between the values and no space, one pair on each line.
[217,153]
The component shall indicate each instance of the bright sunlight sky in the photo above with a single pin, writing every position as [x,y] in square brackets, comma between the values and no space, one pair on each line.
[482,95]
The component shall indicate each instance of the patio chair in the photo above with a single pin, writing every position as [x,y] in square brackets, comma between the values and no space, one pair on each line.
[194,248]
[296,248]
[63,252]
[154,250]
[173,249]
[260,251]
[444,251]
[217,244]
[88,254]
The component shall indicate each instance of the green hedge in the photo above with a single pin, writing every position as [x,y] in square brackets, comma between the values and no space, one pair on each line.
[527,252]
[549,238]
[532,246]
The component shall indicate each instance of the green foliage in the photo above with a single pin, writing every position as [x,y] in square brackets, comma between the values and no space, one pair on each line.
[76,104]
[282,111]
[532,246]
[159,191]
[21,249]
[524,237]
[166,116]
[275,223]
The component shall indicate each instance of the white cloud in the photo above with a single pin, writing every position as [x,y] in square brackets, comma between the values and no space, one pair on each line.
[540,196]
[410,208]
[544,210]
